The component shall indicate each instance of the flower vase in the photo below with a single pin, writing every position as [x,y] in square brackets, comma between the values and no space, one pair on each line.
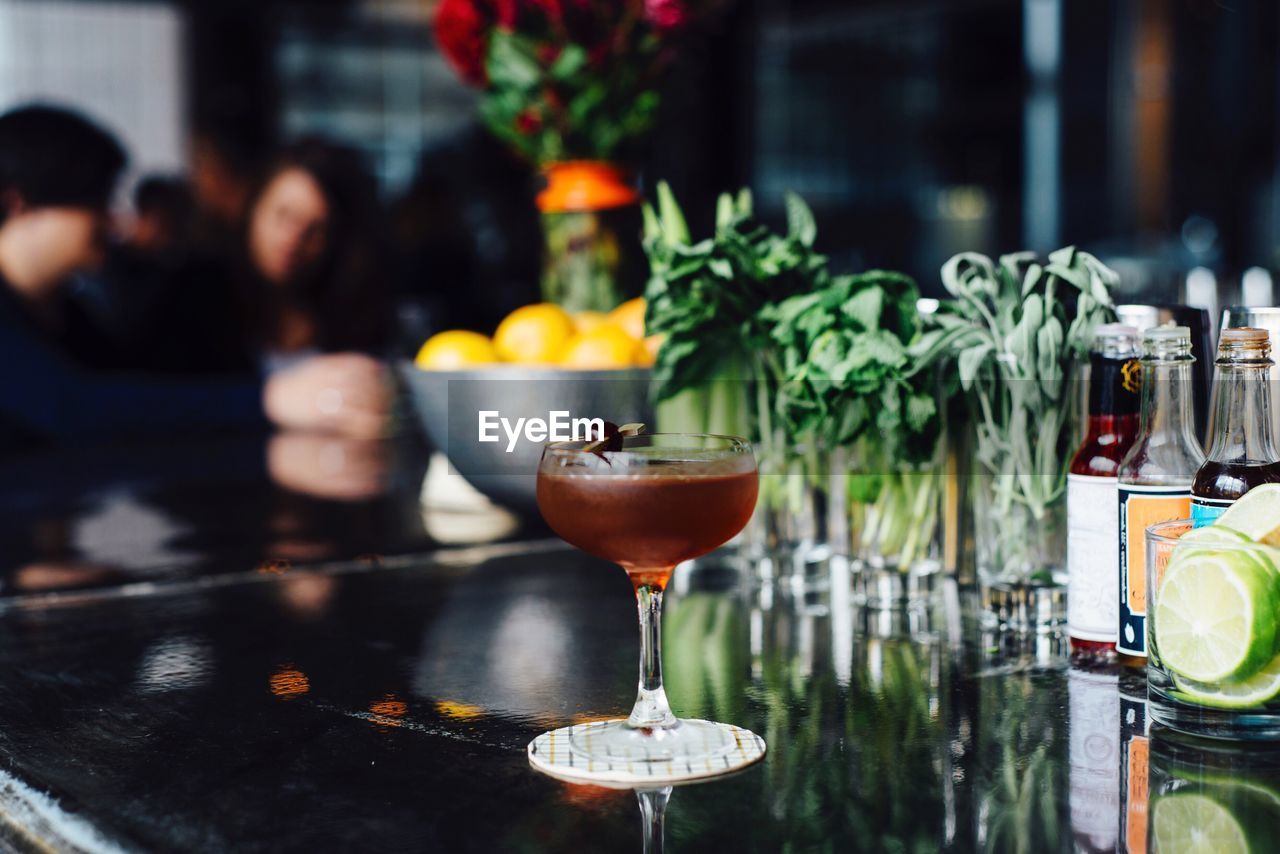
[591,221]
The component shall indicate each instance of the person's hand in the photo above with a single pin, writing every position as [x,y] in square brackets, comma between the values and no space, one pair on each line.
[333,467]
[345,393]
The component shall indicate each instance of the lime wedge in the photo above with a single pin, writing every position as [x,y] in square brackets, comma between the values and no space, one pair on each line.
[1201,541]
[1214,540]
[1244,694]
[1191,824]
[1256,514]
[1216,615]
[1213,534]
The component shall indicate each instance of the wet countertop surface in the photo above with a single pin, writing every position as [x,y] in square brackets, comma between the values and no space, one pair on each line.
[376,691]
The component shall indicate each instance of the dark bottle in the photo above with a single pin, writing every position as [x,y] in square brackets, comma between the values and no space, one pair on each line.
[1241,452]
[1093,538]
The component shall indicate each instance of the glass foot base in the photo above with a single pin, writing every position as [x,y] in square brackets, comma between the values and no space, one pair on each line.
[1024,607]
[883,586]
[613,752]
[617,740]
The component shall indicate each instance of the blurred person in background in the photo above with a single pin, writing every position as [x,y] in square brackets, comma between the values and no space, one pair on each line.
[142,267]
[309,274]
[223,166]
[163,212]
[316,277]
[57,175]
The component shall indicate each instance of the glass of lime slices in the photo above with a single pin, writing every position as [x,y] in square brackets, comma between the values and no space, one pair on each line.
[1213,622]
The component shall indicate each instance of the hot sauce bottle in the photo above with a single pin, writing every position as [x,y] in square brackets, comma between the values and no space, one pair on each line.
[1093,541]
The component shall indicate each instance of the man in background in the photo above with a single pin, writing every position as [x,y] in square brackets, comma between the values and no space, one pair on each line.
[57,175]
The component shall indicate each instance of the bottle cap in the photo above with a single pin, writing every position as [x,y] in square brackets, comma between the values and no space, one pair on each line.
[1244,335]
[1115,341]
[1115,330]
[1244,345]
[1167,333]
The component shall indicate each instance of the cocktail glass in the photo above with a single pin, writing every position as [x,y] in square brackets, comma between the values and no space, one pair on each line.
[662,499]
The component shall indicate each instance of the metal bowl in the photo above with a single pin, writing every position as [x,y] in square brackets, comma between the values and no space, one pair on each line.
[448,406]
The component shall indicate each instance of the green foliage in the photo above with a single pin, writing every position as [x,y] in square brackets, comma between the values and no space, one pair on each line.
[566,108]
[709,298]
[1014,328]
[847,370]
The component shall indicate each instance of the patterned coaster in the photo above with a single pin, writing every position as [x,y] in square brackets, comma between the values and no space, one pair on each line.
[551,754]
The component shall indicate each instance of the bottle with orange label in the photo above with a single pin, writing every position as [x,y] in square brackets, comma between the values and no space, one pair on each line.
[1156,474]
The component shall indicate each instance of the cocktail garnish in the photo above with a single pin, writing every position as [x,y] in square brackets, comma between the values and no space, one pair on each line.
[612,439]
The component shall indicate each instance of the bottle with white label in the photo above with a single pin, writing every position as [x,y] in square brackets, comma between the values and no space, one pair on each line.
[1156,474]
[1093,542]
[1241,451]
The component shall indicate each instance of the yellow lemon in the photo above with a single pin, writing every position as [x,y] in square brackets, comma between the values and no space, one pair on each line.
[602,348]
[534,334]
[630,317]
[585,321]
[457,348]
[647,350]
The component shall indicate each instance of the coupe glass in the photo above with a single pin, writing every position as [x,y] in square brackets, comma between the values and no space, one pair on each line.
[664,498]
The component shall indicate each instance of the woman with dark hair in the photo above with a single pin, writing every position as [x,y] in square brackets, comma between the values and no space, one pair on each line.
[57,172]
[307,275]
[313,275]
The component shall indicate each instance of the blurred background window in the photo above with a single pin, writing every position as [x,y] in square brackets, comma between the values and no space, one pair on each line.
[122,64]
[1143,129]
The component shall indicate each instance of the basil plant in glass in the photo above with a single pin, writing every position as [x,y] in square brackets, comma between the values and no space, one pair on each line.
[719,368]
[851,383]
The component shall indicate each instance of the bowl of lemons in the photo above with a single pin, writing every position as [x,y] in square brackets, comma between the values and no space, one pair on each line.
[490,403]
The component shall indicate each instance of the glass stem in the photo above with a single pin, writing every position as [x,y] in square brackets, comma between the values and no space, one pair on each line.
[651,709]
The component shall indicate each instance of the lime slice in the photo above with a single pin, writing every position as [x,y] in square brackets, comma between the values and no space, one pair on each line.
[1268,555]
[1256,514]
[1247,693]
[1213,534]
[1191,824]
[1200,541]
[1215,616]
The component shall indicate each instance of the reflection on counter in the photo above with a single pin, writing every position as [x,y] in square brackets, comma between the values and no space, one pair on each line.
[863,699]
[1211,795]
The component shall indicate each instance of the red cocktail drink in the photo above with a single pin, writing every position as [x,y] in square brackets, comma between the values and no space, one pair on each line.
[651,519]
[660,500]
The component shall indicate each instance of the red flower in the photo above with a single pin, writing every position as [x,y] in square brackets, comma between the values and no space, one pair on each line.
[462,34]
[666,14]
[548,53]
[553,9]
[508,13]
[528,121]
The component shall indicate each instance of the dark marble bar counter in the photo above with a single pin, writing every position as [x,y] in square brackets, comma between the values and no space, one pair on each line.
[382,698]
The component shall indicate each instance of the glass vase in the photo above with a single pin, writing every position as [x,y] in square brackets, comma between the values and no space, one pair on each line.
[888,521]
[591,224]
[1021,554]
[789,535]
[1018,445]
